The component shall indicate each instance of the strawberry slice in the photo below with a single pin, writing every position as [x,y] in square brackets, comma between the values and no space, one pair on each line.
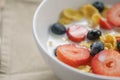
[77,33]
[107,63]
[104,24]
[73,55]
[113,15]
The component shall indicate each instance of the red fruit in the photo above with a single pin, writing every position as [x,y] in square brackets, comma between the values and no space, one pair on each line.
[77,33]
[117,39]
[107,63]
[73,55]
[104,24]
[113,15]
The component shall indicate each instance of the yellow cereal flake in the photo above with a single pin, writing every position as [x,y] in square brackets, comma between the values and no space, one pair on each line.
[86,44]
[106,48]
[109,45]
[96,19]
[104,13]
[88,10]
[109,41]
[85,68]
[72,14]
[64,21]
[69,15]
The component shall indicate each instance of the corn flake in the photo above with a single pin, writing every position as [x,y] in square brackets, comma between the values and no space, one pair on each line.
[85,68]
[96,19]
[109,41]
[72,14]
[88,10]
[86,44]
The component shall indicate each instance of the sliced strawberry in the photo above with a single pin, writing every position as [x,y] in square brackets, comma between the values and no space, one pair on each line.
[113,15]
[104,24]
[107,63]
[73,55]
[77,33]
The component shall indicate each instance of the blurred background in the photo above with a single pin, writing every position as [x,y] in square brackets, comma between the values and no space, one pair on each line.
[20,58]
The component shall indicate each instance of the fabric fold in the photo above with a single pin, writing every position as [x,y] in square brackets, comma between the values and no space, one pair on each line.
[20,58]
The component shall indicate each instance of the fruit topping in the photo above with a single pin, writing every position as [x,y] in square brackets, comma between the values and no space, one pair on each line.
[113,15]
[58,28]
[77,33]
[96,47]
[99,5]
[117,37]
[73,55]
[104,24]
[93,34]
[55,52]
[118,45]
[107,63]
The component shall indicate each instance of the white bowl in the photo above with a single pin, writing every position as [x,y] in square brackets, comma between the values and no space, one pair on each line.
[47,14]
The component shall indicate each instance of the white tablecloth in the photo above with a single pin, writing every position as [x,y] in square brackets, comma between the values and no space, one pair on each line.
[20,58]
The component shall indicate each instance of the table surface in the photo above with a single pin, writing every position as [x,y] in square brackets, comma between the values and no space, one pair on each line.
[20,58]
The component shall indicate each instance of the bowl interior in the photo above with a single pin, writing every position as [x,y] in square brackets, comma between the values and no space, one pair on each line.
[48,13]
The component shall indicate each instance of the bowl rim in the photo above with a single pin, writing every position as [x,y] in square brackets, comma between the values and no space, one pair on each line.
[56,60]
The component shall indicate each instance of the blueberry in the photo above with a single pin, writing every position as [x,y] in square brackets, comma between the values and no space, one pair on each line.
[55,52]
[118,45]
[93,34]
[96,47]
[99,5]
[58,28]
